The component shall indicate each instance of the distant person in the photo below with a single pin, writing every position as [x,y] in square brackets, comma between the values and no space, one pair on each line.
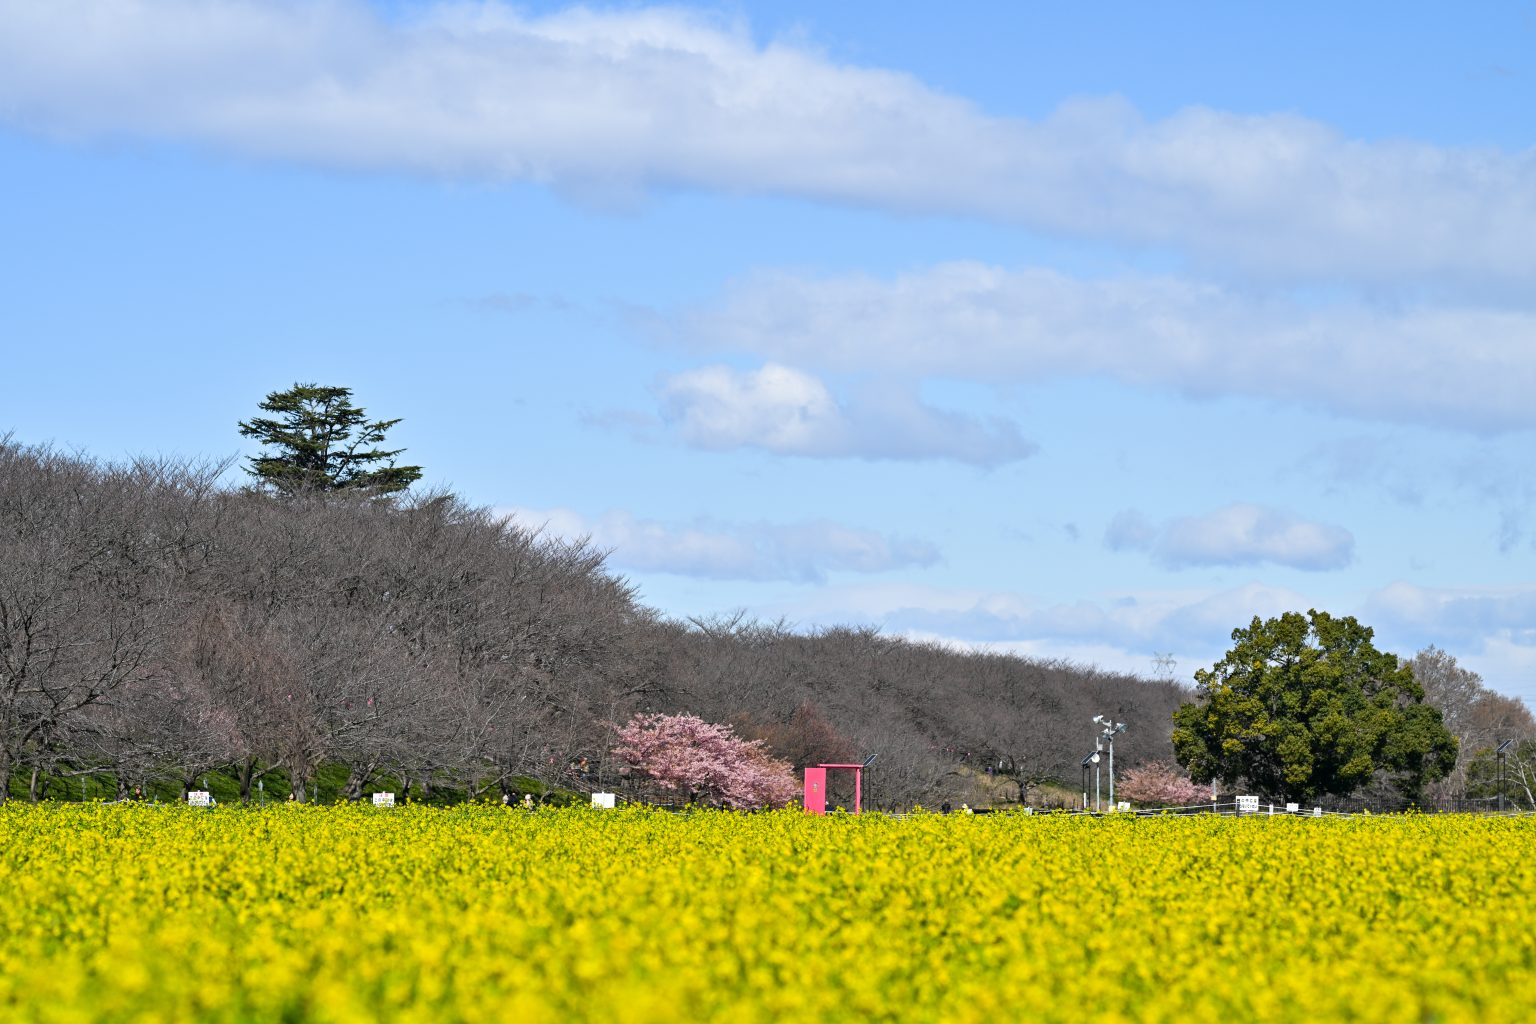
[944,807]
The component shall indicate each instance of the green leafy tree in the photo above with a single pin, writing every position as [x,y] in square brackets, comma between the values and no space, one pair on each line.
[1304,706]
[320,441]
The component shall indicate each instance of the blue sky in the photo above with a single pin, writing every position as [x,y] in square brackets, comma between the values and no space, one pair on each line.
[1083,331]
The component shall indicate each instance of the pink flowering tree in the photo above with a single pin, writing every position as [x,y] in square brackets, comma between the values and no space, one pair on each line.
[1159,784]
[704,763]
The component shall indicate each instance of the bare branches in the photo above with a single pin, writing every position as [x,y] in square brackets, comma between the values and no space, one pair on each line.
[157,626]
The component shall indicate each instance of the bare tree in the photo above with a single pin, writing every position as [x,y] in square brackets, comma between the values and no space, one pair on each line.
[1478,717]
[81,601]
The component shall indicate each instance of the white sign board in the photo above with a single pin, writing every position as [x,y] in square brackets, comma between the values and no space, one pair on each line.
[383,799]
[1292,808]
[199,798]
[1122,805]
[603,800]
[1247,805]
[1317,812]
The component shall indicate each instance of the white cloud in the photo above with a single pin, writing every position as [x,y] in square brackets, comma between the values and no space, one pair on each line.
[1467,367]
[1489,630]
[788,412]
[1457,616]
[1138,621]
[775,408]
[611,103]
[799,552]
[1129,530]
[1238,534]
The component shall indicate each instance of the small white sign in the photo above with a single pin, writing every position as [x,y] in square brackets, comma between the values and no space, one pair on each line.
[1317,812]
[199,798]
[605,800]
[383,799]
[1293,808]
[1247,805]
[1122,805]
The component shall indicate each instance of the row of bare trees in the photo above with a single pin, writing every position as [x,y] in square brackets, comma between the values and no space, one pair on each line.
[1481,720]
[934,717]
[156,626]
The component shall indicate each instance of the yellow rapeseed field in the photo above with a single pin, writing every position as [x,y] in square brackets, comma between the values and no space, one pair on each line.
[352,914]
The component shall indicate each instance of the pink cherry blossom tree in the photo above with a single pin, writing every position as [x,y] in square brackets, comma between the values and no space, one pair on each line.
[705,763]
[1160,784]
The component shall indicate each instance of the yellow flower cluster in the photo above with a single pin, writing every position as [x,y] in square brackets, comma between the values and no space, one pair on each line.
[352,915]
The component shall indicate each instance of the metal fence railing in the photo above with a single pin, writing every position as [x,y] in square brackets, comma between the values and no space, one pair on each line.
[1252,807]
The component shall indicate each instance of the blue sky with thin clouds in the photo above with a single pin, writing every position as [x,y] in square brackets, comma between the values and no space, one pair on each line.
[1082,331]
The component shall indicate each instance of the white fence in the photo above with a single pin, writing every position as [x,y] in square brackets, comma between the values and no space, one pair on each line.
[1244,806]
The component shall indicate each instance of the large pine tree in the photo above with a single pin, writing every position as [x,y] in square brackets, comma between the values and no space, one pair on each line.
[320,441]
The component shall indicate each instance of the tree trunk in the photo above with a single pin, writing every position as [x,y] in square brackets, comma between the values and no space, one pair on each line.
[248,777]
[37,788]
[357,781]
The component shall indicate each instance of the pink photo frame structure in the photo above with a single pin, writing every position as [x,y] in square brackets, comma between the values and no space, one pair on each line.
[815,801]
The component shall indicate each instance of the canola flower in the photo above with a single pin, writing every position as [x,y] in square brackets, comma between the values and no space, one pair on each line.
[352,914]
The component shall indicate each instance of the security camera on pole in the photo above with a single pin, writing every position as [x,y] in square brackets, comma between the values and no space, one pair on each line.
[1107,734]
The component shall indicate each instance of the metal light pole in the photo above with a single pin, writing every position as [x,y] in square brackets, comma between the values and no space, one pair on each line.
[1109,732]
[1091,761]
[1503,752]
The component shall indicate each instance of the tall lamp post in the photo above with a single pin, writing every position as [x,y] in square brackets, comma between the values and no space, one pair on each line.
[1503,752]
[1107,733]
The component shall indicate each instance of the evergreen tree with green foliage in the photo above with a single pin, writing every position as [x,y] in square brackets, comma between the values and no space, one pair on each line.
[320,441]
[1304,706]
